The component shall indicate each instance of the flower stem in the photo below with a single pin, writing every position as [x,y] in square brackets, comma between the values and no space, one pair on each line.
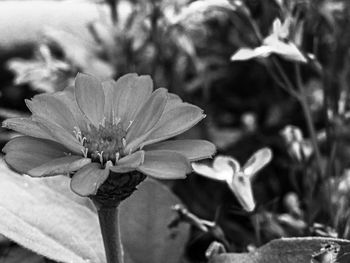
[308,117]
[109,223]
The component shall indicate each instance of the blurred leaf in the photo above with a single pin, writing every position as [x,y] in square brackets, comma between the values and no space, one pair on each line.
[82,54]
[145,230]
[198,11]
[287,250]
[19,254]
[46,221]
[43,215]
[43,72]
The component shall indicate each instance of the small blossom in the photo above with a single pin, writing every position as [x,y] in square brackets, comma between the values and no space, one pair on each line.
[238,178]
[276,43]
[96,130]
[298,148]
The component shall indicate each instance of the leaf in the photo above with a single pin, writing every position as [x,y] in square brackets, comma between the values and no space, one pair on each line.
[43,215]
[285,250]
[145,217]
[47,221]
[19,254]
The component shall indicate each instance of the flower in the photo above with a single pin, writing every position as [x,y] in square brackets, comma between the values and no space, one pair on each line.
[299,149]
[276,43]
[228,169]
[96,130]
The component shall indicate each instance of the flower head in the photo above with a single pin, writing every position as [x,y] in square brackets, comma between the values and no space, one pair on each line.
[238,178]
[276,43]
[299,148]
[98,130]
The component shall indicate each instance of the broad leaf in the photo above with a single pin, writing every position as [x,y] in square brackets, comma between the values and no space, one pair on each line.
[18,254]
[286,250]
[47,221]
[145,217]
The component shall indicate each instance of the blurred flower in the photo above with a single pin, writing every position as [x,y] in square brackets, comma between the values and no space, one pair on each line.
[238,178]
[296,224]
[249,121]
[292,203]
[276,43]
[215,248]
[298,148]
[96,128]
[343,186]
[323,230]
[315,94]
[43,72]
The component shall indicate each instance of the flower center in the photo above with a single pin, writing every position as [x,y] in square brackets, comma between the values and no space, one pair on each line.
[105,143]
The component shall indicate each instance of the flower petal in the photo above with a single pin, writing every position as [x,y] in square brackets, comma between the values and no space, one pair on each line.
[90,97]
[46,106]
[287,50]
[173,101]
[211,173]
[26,126]
[130,93]
[165,165]
[88,179]
[258,160]
[68,98]
[63,165]
[226,163]
[249,53]
[174,122]
[241,186]
[129,162]
[60,134]
[109,87]
[194,150]
[24,153]
[146,119]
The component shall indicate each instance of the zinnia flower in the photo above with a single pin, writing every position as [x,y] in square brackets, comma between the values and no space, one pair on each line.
[95,130]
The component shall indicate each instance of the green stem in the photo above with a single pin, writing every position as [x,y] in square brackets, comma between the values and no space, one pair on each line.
[308,117]
[256,224]
[109,223]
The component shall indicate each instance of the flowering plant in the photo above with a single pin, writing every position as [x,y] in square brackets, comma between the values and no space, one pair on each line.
[97,128]
[108,135]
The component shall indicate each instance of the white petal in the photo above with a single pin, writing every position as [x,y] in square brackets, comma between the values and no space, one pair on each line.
[241,187]
[226,163]
[211,173]
[257,161]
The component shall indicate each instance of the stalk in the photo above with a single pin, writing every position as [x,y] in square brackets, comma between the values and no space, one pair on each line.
[109,223]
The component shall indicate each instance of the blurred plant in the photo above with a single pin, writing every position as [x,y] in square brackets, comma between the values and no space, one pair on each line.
[44,73]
